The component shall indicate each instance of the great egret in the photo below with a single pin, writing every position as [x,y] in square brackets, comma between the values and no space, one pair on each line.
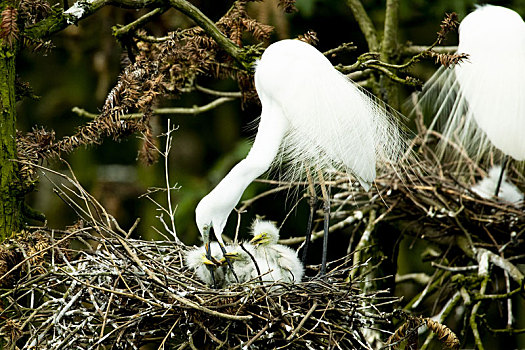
[285,260]
[484,97]
[209,271]
[312,117]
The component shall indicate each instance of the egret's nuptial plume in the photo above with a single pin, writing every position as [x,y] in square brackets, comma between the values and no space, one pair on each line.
[287,267]
[481,101]
[312,116]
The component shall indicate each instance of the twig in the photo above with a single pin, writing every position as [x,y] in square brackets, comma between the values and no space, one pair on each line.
[162,111]
[128,29]
[301,324]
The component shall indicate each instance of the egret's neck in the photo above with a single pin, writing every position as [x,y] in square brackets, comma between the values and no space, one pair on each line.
[219,203]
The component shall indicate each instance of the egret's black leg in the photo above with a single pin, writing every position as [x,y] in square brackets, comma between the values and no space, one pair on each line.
[326,209]
[228,261]
[312,202]
[503,166]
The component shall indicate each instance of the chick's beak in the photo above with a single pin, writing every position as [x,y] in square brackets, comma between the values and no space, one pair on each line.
[259,239]
[212,262]
[229,256]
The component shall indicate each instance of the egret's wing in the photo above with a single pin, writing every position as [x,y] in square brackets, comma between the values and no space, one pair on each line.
[480,103]
[333,123]
[492,82]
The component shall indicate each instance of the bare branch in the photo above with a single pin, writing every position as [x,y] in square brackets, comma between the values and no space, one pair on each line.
[162,111]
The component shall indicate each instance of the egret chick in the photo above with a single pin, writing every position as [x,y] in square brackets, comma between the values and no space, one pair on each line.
[265,238]
[313,117]
[209,271]
[508,192]
[245,267]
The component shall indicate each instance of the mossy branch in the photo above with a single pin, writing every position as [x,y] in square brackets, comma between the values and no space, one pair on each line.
[389,44]
[60,19]
[389,52]
[244,58]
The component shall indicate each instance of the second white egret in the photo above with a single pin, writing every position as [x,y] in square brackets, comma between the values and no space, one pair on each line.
[483,98]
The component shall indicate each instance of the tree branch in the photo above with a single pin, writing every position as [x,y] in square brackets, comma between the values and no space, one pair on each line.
[209,27]
[162,111]
[365,23]
[417,49]
[84,8]
[81,9]
[123,31]
[389,49]
[389,44]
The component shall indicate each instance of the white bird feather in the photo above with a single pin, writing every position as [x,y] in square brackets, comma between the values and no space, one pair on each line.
[508,192]
[245,269]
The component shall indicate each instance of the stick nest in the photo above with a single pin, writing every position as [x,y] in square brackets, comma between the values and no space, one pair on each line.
[121,292]
[91,286]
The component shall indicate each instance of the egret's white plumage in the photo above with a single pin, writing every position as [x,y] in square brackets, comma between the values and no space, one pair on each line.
[312,116]
[492,82]
[482,100]
[196,260]
[288,268]
[508,192]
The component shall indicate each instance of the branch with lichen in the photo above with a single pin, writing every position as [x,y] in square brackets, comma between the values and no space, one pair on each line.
[60,19]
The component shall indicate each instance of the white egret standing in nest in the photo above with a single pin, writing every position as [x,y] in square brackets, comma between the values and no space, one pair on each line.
[313,117]
[484,97]
[287,265]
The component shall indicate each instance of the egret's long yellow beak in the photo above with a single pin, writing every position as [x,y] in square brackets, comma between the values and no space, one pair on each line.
[206,238]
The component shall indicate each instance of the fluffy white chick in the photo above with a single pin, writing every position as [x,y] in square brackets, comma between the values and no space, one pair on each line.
[508,192]
[288,268]
[204,268]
